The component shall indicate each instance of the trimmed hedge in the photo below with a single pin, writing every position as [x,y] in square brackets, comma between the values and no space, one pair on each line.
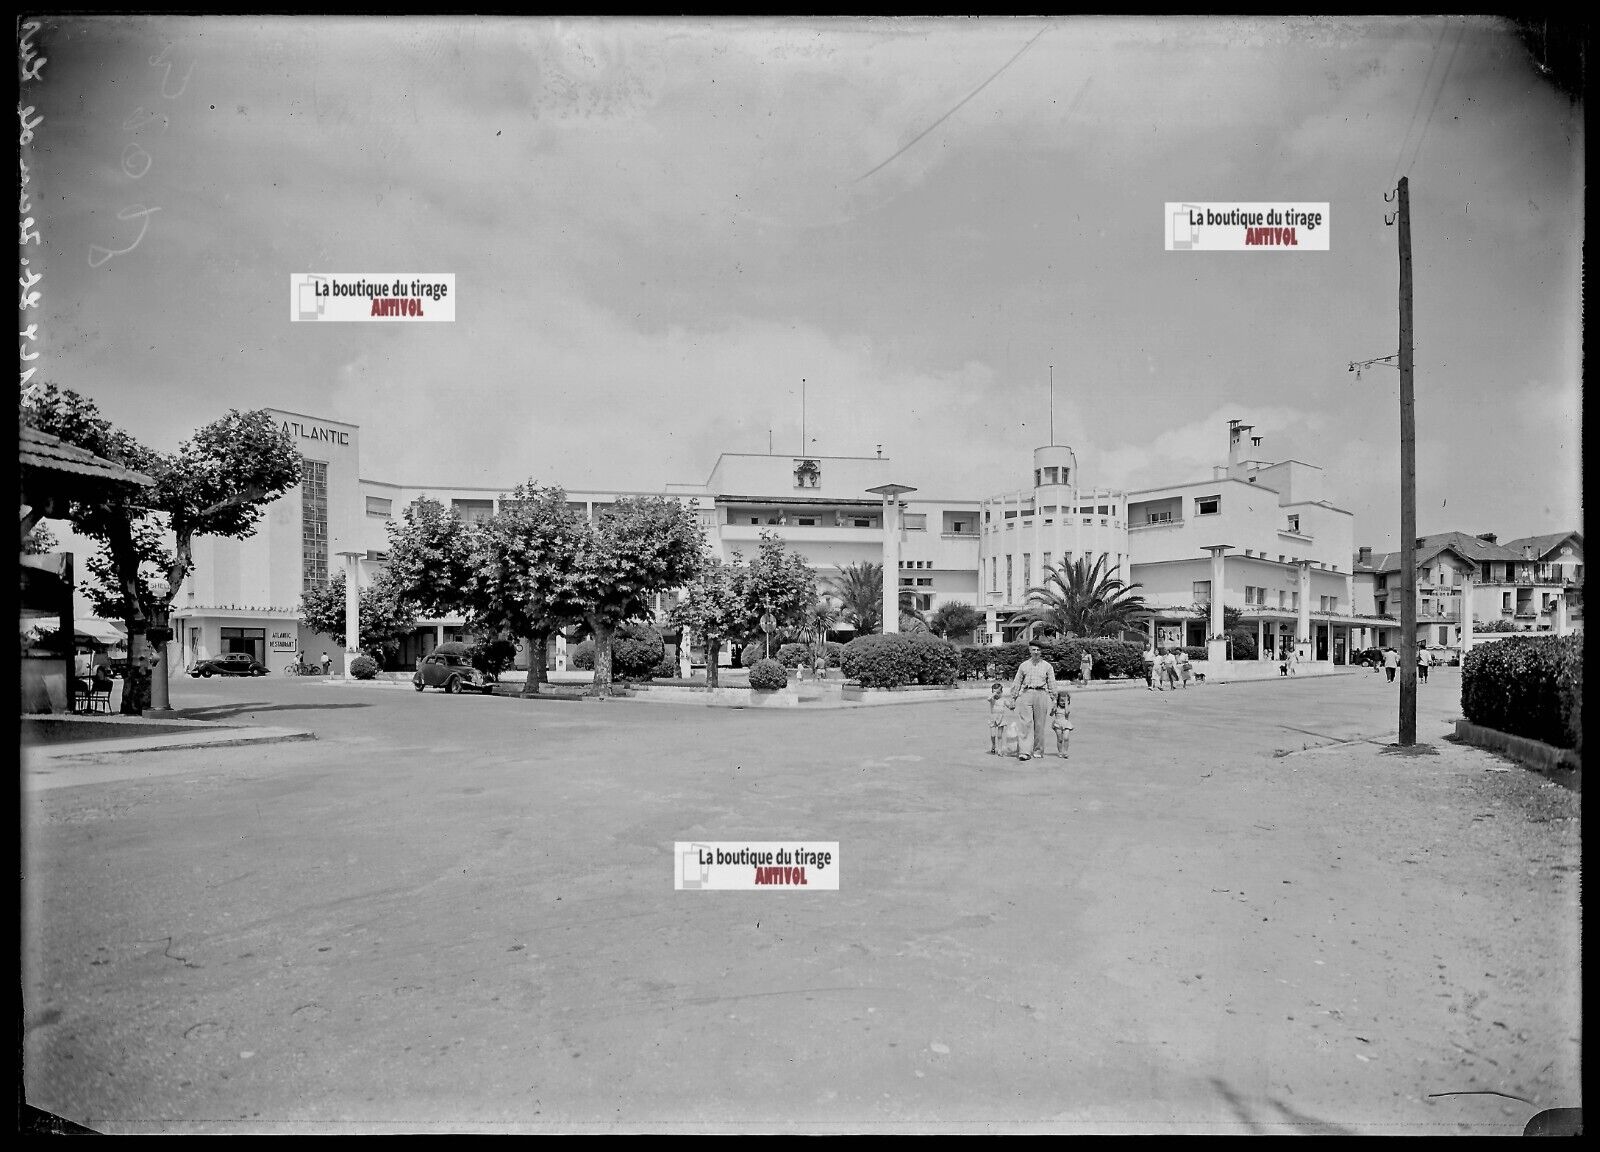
[636,650]
[1110,658]
[1528,686]
[363,667]
[888,661]
[581,657]
[752,653]
[792,655]
[1196,652]
[768,674]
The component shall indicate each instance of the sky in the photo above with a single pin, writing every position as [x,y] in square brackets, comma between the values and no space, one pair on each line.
[659,229]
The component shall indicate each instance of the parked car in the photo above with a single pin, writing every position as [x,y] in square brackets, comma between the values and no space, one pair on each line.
[233,664]
[1368,657]
[450,671]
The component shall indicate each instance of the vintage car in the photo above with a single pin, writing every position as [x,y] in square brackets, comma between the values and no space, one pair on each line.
[232,664]
[450,671]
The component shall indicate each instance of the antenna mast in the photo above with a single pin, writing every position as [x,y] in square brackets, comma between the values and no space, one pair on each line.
[1052,403]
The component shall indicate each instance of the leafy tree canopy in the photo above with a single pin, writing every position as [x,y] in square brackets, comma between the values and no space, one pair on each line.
[1081,599]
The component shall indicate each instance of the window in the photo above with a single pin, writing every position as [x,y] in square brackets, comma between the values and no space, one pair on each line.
[1207,505]
[755,519]
[1283,598]
[1294,523]
[994,574]
[863,522]
[1027,570]
[915,522]
[1160,518]
[924,581]
[471,511]
[1295,601]
[377,506]
[959,526]
[1202,592]
[1043,564]
[1008,574]
[374,557]
[807,521]
[313,523]
[1105,509]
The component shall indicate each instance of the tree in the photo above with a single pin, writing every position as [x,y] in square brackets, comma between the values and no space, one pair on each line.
[712,608]
[859,590]
[39,541]
[385,616]
[524,571]
[216,484]
[1080,599]
[776,581]
[430,558]
[955,619]
[642,546]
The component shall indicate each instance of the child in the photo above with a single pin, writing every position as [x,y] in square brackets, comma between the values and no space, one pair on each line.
[997,716]
[1060,722]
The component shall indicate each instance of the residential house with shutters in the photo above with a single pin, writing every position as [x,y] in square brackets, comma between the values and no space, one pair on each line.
[1505,588]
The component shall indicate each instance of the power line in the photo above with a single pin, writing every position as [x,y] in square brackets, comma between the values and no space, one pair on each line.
[1443,80]
[1422,91]
[957,108]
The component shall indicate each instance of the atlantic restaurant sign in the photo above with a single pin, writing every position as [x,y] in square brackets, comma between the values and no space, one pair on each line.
[312,432]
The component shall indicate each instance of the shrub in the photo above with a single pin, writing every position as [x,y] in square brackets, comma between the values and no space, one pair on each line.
[1196,651]
[888,661]
[491,656]
[768,674]
[581,656]
[1109,658]
[666,670]
[751,653]
[793,655]
[1528,686]
[1242,645]
[363,667]
[636,649]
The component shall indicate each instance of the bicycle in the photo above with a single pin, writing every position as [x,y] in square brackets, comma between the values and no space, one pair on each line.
[299,669]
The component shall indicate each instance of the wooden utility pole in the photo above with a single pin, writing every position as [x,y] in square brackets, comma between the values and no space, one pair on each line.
[1408,489]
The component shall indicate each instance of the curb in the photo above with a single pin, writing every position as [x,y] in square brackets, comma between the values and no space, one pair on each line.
[168,742]
[1562,765]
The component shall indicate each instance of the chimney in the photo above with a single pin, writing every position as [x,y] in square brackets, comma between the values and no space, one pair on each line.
[1365,556]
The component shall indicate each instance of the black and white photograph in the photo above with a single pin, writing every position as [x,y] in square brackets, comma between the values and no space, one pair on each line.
[690,683]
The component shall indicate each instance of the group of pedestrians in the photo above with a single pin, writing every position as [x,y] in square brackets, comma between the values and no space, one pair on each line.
[1169,668]
[1391,663]
[1036,704]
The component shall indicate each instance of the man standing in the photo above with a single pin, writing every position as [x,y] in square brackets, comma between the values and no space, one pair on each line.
[1035,684]
[1391,661]
[1150,668]
[1424,660]
[327,664]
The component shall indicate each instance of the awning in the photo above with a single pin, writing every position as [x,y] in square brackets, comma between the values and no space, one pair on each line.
[87,627]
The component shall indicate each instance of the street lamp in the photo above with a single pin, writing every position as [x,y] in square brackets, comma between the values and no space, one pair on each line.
[891,494]
[157,637]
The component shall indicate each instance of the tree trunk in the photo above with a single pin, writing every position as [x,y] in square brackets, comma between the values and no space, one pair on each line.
[713,650]
[136,678]
[601,634]
[537,642]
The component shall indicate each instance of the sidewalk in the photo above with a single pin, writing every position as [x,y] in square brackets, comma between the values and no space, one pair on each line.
[62,739]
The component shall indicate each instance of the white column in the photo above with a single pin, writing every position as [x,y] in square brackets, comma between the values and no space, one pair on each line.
[352,608]
[1466,615]
[1216,649]
[1303,625]
[1261,639]
[891,564]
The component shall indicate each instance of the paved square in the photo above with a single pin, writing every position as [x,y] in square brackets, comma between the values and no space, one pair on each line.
[1229,911]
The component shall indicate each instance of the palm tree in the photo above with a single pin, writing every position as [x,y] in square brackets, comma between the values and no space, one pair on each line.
[1081,599]
[859,590]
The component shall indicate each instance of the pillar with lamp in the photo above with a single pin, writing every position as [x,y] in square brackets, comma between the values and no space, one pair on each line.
[156,637]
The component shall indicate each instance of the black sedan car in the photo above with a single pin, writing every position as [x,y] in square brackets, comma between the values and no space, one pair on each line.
[233,664]
[451,672]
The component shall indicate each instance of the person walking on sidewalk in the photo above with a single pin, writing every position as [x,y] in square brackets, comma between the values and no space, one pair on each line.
[1032,690]
[1085,666]
[1150,668]
[1424,660]
[1391,662]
